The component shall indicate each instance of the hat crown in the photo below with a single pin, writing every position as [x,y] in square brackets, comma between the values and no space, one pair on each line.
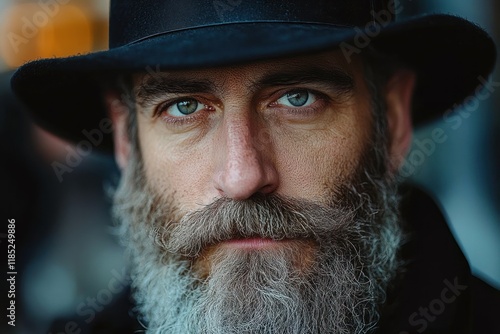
[132,20]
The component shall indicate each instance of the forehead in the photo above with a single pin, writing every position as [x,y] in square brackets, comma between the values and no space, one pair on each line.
[321,61]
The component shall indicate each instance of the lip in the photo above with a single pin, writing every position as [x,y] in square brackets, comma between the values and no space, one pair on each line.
[252,243]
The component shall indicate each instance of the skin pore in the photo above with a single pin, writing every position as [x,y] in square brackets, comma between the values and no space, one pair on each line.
[254,187]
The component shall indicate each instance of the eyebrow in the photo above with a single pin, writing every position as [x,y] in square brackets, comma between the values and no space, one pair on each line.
[157,86]
[332,77]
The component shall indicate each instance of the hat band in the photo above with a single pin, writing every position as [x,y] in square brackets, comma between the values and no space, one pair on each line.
[139,20]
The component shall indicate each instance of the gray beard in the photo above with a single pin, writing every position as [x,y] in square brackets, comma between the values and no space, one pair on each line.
[340,289]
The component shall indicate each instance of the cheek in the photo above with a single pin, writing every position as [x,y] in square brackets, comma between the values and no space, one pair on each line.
[312,163]
[172,170]
[307,169]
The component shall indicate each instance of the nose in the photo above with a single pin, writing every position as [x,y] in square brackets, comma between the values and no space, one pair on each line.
[245,165]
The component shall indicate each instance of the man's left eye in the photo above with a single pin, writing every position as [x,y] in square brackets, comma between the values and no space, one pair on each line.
[297,98]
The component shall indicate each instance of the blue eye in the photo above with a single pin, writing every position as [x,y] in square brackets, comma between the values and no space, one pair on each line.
[184,107]
[297,98]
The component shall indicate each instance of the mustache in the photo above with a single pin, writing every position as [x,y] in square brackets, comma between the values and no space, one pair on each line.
[266,216]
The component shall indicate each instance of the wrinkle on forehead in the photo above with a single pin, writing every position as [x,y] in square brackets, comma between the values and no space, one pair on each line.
[218,79]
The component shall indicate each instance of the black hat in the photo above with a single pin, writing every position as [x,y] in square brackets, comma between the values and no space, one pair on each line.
[449,54]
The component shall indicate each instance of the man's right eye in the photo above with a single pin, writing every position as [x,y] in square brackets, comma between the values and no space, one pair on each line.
[184,107]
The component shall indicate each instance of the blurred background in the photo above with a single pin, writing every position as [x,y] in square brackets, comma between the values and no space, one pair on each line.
[70,263]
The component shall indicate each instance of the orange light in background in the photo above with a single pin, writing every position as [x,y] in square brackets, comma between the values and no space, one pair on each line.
[70,34]
[30,31]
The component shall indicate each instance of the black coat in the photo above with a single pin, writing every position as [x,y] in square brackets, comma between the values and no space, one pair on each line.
[438,293]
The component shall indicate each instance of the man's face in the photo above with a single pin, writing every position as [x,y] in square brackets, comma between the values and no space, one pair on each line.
[256,198]
[293,127]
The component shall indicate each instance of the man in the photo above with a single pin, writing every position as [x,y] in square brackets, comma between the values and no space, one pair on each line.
[260,145]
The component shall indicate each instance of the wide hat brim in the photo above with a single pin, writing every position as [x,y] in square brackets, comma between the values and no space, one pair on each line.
[451,56]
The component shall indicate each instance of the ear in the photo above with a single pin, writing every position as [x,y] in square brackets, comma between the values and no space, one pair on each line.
[398,97]
[118,112]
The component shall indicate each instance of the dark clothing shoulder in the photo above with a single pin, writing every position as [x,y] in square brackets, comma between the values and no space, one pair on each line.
[437,292]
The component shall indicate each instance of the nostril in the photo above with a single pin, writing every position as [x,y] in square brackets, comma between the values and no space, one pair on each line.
[268,189]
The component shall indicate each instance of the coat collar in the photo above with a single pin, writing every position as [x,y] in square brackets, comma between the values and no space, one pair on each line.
[433,294]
